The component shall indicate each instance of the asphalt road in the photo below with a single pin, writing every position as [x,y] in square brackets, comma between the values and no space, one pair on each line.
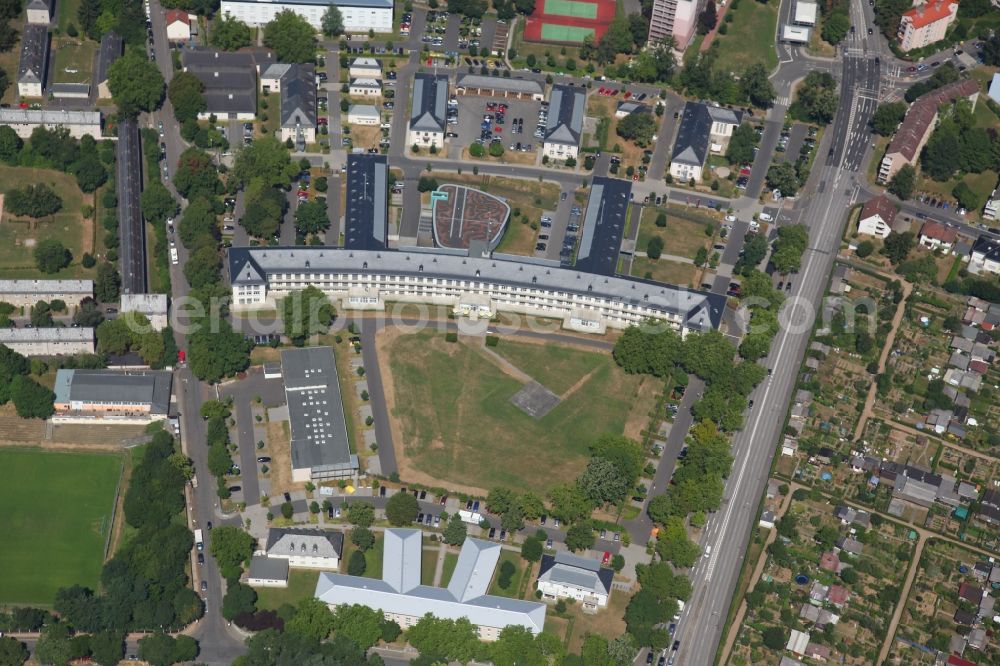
[131,229]
[728,531]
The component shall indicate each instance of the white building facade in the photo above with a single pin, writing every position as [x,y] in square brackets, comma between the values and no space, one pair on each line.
[359,15]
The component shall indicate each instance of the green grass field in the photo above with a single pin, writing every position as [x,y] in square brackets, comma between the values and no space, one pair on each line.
[587,10]
[74,62]
[301,585]
[565,33]
[448,568]
[18,236]
[58,509]
[458,424]
[515,580]
[750,38]
[556,368]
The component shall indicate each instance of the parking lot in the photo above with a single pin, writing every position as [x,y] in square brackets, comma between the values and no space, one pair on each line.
[472,125]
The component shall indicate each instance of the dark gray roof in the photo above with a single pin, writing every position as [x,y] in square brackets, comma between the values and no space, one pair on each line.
[298,96]
[604,226]
[691,146]
[283,541]
[574,571]
[316,410]
[268,568]
[430,97]
[34,54]
[523,86]
[987,246]
[112,46]
[230,79]
[140,387]
[699,310]
[566,107]
[38,4]
[366,221]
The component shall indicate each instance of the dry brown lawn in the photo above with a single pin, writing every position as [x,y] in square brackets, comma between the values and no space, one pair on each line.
[278,440]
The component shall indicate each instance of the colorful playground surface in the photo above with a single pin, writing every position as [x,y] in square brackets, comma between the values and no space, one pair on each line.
[569,21]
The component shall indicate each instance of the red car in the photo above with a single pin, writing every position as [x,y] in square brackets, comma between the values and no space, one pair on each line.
[635,176]
[606,558]
[627,95]
[600,91]
[321,121]
[497,129]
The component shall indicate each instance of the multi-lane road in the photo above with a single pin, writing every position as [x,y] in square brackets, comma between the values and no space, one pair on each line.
[829,194]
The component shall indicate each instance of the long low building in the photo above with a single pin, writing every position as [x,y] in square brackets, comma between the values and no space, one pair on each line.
[23,293]
[496,86]
[401,597]
[260,276]
[48,341]
[359,15]
[112,395]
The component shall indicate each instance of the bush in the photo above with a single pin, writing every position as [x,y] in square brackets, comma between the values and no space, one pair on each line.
[865,248]
[356,564]
[492,340]
[287,510]
[88,260]
[451,336]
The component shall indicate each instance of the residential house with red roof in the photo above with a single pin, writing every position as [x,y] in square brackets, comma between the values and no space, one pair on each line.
[934,235]
[920,120]
[926,23]
[829,561]
[877,217]
[178,25]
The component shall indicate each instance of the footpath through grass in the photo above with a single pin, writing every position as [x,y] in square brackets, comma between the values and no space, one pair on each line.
[58,511]
[453,408]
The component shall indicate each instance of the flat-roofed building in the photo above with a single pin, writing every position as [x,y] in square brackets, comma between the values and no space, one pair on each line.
[795,34]
[152,306]
[366,220]
[112,395]
[401,597]
[496,86]
[34,60]
[428,111]
[358,15]
[79,123]
[805,13]
[48,341]
[565,127]
[260,276]
[320,449]
[23,293]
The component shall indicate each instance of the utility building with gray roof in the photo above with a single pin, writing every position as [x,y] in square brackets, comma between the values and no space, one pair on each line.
[320,449]
[428,111]
[260,276]
[565,127]
[112,395]
[401,597]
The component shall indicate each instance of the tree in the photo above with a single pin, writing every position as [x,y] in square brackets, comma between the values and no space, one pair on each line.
[446,640]
[674,546]
[305,313]
[361,514]
[836,26]
[33,200]
[266,159]
[782,177]
[89,172]
[136,84]
[741,145]
[506,573]
[455,532]
[239,599]
[654,247]
[10,143]
[897,246]
[333,21]
[107,647]
[500,499]
[186,95]
[865,248]
[887,117]
[356,564]
[202,268]
[939,159]
[401,509]
[817,99]
[232,548]
[108,283]
[54,645]
[580,536]
[775,637]
[198,224]
[214,355]
[230,34]
[12,651]
[157,203]
[637,127]
[707,18]
[756,86]
[196,175]
[361,624]
[311,216]
[904,182]
[363,538]
[602,482]
[789,247]
[291,37]
[569,504]
[51,256]
[625,454]
[531,549]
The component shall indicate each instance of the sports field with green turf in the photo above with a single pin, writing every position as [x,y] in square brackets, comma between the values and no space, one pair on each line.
[565,33]
[57,510]
[587,10]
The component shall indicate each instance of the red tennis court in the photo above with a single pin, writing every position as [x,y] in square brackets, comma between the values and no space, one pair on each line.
[569,21]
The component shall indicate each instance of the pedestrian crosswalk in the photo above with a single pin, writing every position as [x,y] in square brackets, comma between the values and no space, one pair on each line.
[782,101]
